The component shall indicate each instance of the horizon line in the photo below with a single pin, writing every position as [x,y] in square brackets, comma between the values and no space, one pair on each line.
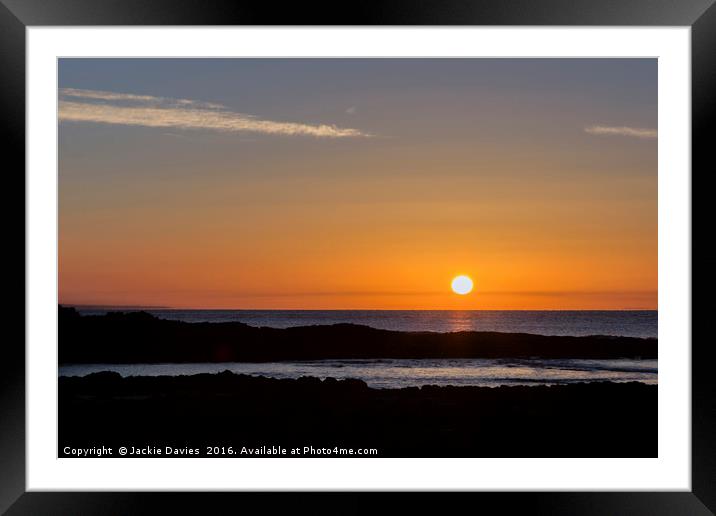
[149,307]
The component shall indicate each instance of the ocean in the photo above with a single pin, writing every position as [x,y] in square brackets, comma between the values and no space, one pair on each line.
[395,373]
[628,323]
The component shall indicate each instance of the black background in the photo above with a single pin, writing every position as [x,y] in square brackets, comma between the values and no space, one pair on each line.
[16,15]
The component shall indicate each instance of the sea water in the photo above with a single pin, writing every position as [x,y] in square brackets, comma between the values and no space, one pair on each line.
[397,373]
[626,323]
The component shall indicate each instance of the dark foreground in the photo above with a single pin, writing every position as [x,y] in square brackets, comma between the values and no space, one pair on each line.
[235,414]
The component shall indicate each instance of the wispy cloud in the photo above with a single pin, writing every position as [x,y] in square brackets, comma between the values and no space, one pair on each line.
[130,97]
[102,107]
[352,110]
[633,132]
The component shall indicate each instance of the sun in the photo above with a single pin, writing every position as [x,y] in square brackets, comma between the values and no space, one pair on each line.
[461,285]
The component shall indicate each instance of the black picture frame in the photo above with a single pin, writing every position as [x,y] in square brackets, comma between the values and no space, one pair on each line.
[700,15]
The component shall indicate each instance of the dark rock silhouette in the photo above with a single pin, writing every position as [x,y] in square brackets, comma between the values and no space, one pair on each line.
[134,337]
[578,420]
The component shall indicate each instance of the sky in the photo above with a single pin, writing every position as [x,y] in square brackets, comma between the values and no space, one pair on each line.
[358,183]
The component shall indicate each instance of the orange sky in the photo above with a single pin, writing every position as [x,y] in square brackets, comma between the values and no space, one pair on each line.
[540,213]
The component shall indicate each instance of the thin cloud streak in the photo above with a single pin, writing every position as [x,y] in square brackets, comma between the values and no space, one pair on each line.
[130,97]
[160,112]
[633,132]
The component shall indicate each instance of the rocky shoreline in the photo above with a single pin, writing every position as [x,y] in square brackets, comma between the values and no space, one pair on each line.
[205,415]
[139,337]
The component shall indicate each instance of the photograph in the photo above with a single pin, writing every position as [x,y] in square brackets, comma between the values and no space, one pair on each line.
[357,257]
